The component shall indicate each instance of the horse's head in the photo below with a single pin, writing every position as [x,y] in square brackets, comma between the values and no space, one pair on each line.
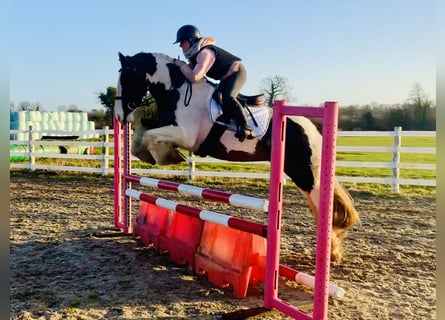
[132,87]
[155,72]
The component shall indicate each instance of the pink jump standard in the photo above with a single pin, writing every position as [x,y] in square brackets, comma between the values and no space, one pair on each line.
[322,264]
[322,288]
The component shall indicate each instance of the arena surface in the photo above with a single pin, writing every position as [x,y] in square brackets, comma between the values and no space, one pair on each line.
[67,262]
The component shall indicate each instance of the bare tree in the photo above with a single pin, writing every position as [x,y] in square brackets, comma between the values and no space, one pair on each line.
[420,105]
[274,88]
[28,106]
[73,108]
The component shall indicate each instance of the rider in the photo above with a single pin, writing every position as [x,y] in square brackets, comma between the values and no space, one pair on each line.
[206,59]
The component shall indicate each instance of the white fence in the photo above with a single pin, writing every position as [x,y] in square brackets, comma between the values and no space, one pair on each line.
[32,149]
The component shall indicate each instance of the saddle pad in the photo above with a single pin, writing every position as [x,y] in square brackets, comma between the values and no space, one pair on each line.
[262,115]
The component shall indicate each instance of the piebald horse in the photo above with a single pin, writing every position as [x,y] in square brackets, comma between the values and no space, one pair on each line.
[184,120]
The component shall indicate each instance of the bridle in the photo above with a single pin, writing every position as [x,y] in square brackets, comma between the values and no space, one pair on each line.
[133,105]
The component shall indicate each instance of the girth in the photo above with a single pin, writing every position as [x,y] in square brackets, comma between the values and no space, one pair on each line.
[215,133]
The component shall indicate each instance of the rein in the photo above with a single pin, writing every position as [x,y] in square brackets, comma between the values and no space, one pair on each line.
[187,97]
[132,106]
[188,94]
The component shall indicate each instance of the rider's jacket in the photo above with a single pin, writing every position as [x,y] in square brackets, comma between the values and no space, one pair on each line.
[222,64]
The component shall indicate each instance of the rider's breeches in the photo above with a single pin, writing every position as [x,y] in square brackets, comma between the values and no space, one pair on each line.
[230,88]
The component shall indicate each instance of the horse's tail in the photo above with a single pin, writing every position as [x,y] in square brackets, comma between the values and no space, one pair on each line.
[345,216]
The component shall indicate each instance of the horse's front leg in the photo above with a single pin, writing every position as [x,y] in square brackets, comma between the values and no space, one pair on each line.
[162,143]
[312,199]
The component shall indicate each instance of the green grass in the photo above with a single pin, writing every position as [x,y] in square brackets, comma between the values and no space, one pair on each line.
[429,142]
[340,171]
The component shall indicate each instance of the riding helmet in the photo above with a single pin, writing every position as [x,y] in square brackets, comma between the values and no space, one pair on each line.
[187,32]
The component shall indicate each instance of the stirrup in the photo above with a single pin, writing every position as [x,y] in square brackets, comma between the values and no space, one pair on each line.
[243,133]
[250,134]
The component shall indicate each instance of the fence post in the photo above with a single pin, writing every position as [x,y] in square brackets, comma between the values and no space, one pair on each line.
[191,166]
[105,151]
[31,148]
[396,159]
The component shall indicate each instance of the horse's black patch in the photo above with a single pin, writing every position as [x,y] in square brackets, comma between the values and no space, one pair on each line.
[133,85]
[145,62]
[297,160]
[150,123]
[176,76]
[166,101]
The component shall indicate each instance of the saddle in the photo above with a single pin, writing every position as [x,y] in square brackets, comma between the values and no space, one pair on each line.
[251,101]
[258,119]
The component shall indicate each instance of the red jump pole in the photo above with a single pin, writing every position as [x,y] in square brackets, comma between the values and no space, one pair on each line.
[204,193]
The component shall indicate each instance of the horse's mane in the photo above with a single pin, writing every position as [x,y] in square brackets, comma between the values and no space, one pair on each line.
[160,56]
[163,55]
[147,60]
[156,54]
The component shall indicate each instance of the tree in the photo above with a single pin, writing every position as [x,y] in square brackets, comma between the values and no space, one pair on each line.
[367,122]
[274,88]
[420,105]
[107,100]
[398,117]
[28,106]
[98,116]
[74,108]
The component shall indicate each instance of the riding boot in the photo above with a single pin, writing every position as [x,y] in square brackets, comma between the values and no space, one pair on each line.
[243,130]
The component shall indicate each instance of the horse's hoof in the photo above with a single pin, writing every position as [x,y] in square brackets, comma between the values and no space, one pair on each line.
[336,249]
[336,258]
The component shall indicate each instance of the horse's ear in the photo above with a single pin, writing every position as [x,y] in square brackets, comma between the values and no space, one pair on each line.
[122,58]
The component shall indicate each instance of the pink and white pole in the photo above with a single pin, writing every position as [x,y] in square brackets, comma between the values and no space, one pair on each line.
[324,228]
[235,199]
[205,215]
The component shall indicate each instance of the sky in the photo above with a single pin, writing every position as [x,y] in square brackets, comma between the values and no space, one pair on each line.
[356,52]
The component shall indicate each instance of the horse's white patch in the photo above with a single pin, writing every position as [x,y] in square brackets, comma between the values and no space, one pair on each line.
[194,118]
[161,75]
[118,107]
[232,143]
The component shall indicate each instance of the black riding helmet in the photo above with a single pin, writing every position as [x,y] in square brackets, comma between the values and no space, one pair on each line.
[187,32]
